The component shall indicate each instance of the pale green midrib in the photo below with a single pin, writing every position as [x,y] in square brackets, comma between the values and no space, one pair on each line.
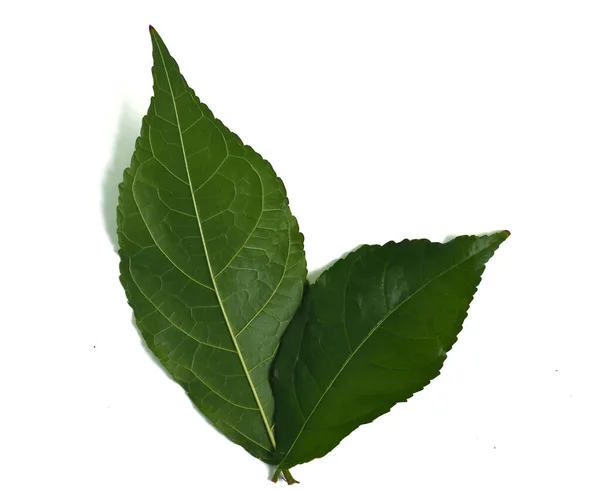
[365,340]
[237,348]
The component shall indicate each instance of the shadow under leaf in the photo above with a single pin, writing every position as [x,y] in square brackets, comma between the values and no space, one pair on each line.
[128,130]
[313,275]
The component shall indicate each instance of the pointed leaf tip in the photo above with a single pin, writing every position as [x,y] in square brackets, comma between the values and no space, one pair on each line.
[240,410]
[388,339]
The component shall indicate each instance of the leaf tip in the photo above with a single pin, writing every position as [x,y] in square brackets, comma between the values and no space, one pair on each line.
[507,233]
[151,29]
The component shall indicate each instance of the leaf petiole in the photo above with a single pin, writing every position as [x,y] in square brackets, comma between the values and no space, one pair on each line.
[287,475]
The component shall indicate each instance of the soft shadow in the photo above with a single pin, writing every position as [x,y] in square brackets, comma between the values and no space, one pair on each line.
[127,131]
[313,275]
[271,468]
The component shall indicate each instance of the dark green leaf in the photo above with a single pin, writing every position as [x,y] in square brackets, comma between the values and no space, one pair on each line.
[373,330]
[211,257]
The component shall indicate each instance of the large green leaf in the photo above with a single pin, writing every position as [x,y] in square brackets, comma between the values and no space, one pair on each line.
[211,257]
[373,330]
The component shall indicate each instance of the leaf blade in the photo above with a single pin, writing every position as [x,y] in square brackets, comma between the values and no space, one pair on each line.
[211,258]
[364,338]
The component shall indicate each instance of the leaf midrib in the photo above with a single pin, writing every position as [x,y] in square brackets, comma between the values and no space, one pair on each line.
[367,337]
[212,277]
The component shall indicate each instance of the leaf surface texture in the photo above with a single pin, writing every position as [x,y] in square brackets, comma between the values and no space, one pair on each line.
[212,260]
[374,329]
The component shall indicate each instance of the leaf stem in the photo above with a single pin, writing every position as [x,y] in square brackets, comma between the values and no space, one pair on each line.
[287,475]
[275,477]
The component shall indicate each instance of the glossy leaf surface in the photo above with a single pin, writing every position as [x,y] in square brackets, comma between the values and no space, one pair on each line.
[211,257]
[373,330]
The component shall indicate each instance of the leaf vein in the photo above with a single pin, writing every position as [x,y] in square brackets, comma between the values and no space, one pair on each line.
[170,321]
[253,389]
[367,337]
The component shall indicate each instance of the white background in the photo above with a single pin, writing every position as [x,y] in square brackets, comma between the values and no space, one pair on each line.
[385,120]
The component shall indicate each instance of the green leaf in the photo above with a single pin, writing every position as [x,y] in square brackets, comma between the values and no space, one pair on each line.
[373,330]
[211,257]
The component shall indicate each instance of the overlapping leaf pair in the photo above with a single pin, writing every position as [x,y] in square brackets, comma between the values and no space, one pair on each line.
[213,265]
